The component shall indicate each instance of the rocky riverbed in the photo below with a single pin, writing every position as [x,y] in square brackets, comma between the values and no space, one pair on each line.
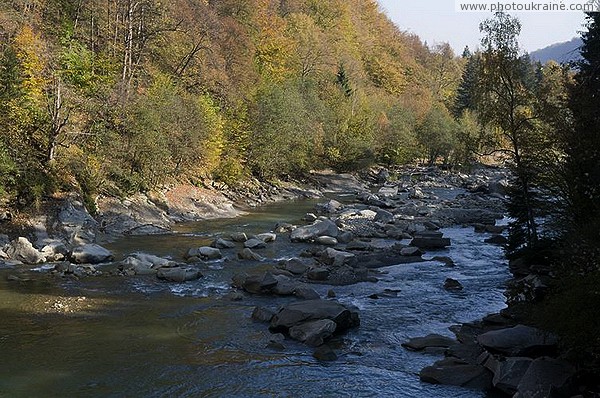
[372,224]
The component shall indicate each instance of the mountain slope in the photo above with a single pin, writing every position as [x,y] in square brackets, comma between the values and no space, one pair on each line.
[559,52]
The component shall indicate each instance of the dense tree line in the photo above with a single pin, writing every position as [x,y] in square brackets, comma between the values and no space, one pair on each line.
[120,96]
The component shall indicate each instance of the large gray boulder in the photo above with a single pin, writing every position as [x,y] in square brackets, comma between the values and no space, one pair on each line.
[543,377]
[430,243]
[90,254]
[431,340]
[254,244]
[310,232]
[178,274]
[519,340]
[454,372]
[509,373]
[248,254]
[22,250]
[313,310]
[145,264]
[204,253]
[313,333]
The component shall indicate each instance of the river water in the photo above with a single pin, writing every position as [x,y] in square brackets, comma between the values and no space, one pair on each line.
[137,337]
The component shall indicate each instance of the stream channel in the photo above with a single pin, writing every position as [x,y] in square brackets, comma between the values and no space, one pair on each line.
[114,336]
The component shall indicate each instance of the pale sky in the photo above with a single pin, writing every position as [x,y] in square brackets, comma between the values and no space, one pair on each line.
[437,21]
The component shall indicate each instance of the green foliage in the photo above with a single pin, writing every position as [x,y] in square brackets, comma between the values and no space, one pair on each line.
[437,134]
[397,143]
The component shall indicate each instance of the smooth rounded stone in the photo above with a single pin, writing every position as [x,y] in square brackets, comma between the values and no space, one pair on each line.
[239,237]
[387,192]
[267,237]
[178,274]
[283,227]
[345,237]
[543,377]
[90,253]
[452,285]
[310,217]
[430,243]
[221,243]
[296,266]
[326,240]
[262,314]
[411,251]
[519,340]
[313,333]
[358,245]
[310,232]
[431,340]
[454,372]
[383,216]
[248,254]
[276,342]
[22,250]
[204,253]
[497,240]
[310,310]
[329,207]
[331,293]
[324,353]
[147,261]
[254,244]
[318,274]
[306,293]
[509,372]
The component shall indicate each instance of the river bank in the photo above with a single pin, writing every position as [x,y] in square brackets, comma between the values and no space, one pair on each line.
[345,247]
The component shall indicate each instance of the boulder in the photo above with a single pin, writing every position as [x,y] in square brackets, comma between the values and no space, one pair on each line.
[239,237]
[452,284]
[313,333]
[543,377]
[258,284]
[90,253]
[383,216]
[145,264]
[519,340]
[318,274]
[336,258]
[410,251]
[178,274]
[22,250]
[267,237]
[204,253]
[310,232]
[221,243]
[430,243]
[55,251]
[285,285]
[295,266]
[326,241]
[497,240]
[310,217]
[416,193]
[329,207]
[311,310]
[468,352]
[306,293]
[254,244]
[262,314]
[431,340]
[454,372]
[248,254]
[509,373]
[358,245]
[387,192]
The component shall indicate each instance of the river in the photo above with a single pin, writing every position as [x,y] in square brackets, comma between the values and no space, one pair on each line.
[113,336]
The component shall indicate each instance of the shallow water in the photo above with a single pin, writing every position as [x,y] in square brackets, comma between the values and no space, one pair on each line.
[138,337]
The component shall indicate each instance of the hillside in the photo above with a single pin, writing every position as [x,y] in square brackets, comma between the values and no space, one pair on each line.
[559,52]
[117,96]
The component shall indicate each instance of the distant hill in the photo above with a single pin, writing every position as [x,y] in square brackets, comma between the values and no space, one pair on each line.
[559,52]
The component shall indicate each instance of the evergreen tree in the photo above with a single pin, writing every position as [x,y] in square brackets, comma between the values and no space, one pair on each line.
[583,142]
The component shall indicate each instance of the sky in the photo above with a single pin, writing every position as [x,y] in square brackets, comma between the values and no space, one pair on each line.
[437,21]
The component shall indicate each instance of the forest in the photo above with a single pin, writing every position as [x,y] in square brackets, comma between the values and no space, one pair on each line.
[115,97]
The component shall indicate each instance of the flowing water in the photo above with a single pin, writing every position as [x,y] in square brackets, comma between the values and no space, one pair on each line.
[138,337]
